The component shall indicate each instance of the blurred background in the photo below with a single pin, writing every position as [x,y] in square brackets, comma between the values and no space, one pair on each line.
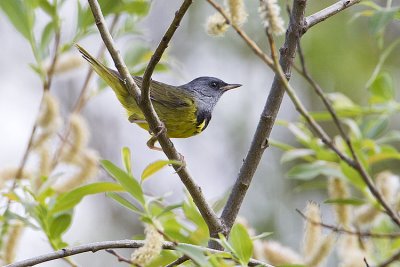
[333,49]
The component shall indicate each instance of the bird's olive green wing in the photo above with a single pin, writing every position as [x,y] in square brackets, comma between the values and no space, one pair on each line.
[167,95]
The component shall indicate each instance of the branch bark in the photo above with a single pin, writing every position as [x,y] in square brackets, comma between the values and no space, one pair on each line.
[154,122]
[94,247]
[328,12]
[268,117]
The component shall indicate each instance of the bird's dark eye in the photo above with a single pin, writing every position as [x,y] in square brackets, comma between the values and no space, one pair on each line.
[214,84]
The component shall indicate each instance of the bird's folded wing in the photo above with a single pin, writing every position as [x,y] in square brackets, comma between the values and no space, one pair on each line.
[167,95]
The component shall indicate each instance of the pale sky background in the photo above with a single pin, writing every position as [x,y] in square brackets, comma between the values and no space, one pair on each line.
[214,157]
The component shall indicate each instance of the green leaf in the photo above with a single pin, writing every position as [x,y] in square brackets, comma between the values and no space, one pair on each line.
[127,181]
[308,171]
[124,202]
[59,225]
[241,242]
[382,88]
[47,34]
[156,166]
[381,18]
[373,128]
[295,154]
[71,199]
[135,7]
[126,159]
[345,201]
[194,253]
[20,15]
[261,236]
[168,209]
[352,175]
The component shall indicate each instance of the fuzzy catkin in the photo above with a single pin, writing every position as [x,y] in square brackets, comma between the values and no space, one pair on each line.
[88,168]
[312,231]
[338,190]
[14,234]
[321,251]
[151,249]
[278,254]
[238,12]
[79,138]
[216,25]
[366,215]
[388,185]
[269,11]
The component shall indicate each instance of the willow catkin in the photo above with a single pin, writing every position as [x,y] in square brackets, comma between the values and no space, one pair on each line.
[321,251]
[151,249]
[79,136]
[277,254]
[269,11]
[312,231]
[338,189]
[216,25]
[237,12]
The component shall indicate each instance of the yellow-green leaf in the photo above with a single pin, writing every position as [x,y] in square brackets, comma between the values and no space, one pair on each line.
[156,166]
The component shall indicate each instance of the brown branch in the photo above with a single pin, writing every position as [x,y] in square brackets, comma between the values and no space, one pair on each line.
[119,257]
[256,49]
[154,122]
[388,262]
[328,12]
[267,118]
[82,98]
[178,261]
[337,229]
[97,246]
[355,162]
[162,46]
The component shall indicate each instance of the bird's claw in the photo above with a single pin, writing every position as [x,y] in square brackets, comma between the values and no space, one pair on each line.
[183,163]
[159,130]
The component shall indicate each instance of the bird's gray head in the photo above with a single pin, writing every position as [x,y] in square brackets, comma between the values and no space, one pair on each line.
[208,89]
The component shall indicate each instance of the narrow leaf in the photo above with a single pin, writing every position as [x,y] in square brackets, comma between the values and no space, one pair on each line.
[71,199]
[59,225]
[156,166]
[194,253]
[241,242]
[124,202]
[345,201]
[126,159]
[126,180]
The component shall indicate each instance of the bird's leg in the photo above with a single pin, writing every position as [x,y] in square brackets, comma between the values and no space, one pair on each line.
[182,160]
[160,129]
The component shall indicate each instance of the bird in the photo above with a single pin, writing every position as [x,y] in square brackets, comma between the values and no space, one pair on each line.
[185,110]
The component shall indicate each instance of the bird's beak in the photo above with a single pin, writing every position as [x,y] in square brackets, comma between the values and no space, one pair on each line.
[230,86]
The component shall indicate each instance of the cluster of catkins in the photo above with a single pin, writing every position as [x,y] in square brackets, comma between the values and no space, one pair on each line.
[269,12]
[316,246]
[54,163]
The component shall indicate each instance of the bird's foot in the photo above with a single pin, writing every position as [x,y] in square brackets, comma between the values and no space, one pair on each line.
[160,129]
[183,163]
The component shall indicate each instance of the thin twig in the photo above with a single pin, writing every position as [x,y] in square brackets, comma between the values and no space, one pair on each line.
[267,118]
[97,246]
[366,262]
[178,261]
[355,162]
[154,122]
[119,257]
[386,263]
[256,49]
[337,229]
[322,15]
[82,98]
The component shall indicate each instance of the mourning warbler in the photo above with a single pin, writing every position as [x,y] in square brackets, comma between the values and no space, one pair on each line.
[185,110]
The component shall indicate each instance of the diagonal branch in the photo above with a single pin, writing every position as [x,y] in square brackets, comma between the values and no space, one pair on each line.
[353,162]
[337,229]
[325,13]
[154,122]
[267,119]
[103,245]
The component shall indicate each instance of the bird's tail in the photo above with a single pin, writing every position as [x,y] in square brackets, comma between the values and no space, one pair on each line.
[110,76]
